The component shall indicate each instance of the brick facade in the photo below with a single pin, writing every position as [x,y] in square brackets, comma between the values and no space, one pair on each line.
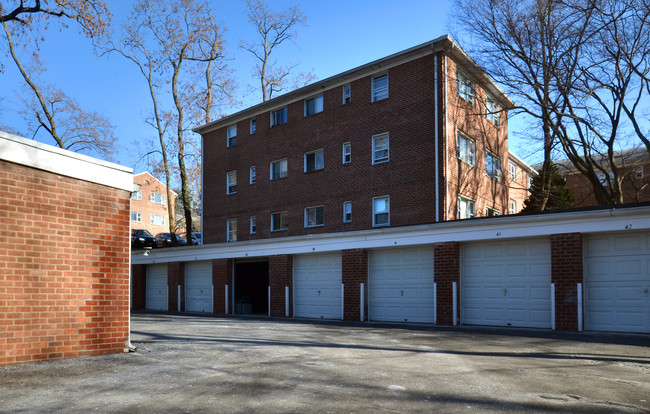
[354,273]
[446,266]
[64,276]
[281,276]
[222,276]
[566,273]
[148,184]
[176,278]
[139,287]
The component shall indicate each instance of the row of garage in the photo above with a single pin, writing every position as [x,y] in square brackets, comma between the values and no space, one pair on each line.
[502,283]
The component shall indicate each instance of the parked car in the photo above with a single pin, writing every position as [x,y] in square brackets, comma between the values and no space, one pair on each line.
[165,240]
[196,238]
[141,238]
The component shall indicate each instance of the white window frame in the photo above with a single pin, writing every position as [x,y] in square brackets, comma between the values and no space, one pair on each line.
[495,172]
[231,182]
[492,110]
[284,223]
[311,216]
[319,160]
[465,87]
[347,212]
[638,171]
[375,149]
[375,213]
[252,175]
[347,152]
[379,93]
[231,136]
[492,210]
[136,195]
[157,198]
[231,230]
[138,216]
[285,117]
[465,149]
[468,203]
[282,162]
[253,225]
[253,126]
[512,169]
[346,94]
[529,181]
[512,204]
[318,104]
[152,220]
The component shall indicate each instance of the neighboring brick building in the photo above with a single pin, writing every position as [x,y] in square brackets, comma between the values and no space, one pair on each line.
[417,137]
[64,262]
[519,178]
[149,204]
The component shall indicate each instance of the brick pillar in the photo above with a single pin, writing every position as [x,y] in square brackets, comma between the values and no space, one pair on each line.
[566,273]
[280,276]
[175,277]
[222,276]
[446,264]
[139,286]
[355,272]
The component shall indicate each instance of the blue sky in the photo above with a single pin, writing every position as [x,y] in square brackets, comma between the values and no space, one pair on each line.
[339,35]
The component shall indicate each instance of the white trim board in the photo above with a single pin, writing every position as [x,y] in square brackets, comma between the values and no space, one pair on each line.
[483,229]
[23,151]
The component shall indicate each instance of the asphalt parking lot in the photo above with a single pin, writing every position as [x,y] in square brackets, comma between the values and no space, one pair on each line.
[207,364]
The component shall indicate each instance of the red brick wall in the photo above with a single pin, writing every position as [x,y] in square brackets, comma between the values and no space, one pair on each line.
[64,266]
[355,272]
[222,276]
[280,276]
[149,184]
[446,265]
[566,273]
[634,189]
[139,287]
[176,277]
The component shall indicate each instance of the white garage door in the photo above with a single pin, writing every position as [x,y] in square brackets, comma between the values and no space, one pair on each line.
[617,282]
[317,286]
[401,285]
[157,287]
[198,286]
[506,283]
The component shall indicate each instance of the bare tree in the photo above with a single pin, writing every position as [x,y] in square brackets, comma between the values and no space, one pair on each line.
[273,30]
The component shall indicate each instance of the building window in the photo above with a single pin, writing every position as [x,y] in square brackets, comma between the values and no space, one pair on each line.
[492,110]
[253,126]
[157,220]
[529,181]
[314,216]
[347,212]
[232,230]
[381,211]
[347,153]
[492,165]
[379,87]
[231,136]
[231,179]
[347,94]
[314,160]
[253,175]
[465,87]
[491,212]
[513,171]
[279,117]
[639,172]
[253,225]
[466,208]
[278,169]
[380,148]
[137,195]
[466,149]
[313,106]
[512,207]
[157,198]
[136,216]
[279,221]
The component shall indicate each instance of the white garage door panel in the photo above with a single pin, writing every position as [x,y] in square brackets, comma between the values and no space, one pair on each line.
[617,282]
[198,286]
[317,286]
[157,290]
[401,285]
[506,283]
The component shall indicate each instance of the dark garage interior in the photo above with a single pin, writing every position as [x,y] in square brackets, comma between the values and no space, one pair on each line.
[251,287]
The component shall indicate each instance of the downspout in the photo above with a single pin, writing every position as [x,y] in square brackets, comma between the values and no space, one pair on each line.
[446,147]
[435,123]
[202,169]
[128,346]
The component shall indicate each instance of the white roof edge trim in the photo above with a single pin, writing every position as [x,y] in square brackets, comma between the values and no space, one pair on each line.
[501,228]
[30,153]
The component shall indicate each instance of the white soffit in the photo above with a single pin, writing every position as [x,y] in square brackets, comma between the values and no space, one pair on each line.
[23,151]
[498,228]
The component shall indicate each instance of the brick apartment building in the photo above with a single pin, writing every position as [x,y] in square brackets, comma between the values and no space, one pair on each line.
[519,178]
[149,204]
